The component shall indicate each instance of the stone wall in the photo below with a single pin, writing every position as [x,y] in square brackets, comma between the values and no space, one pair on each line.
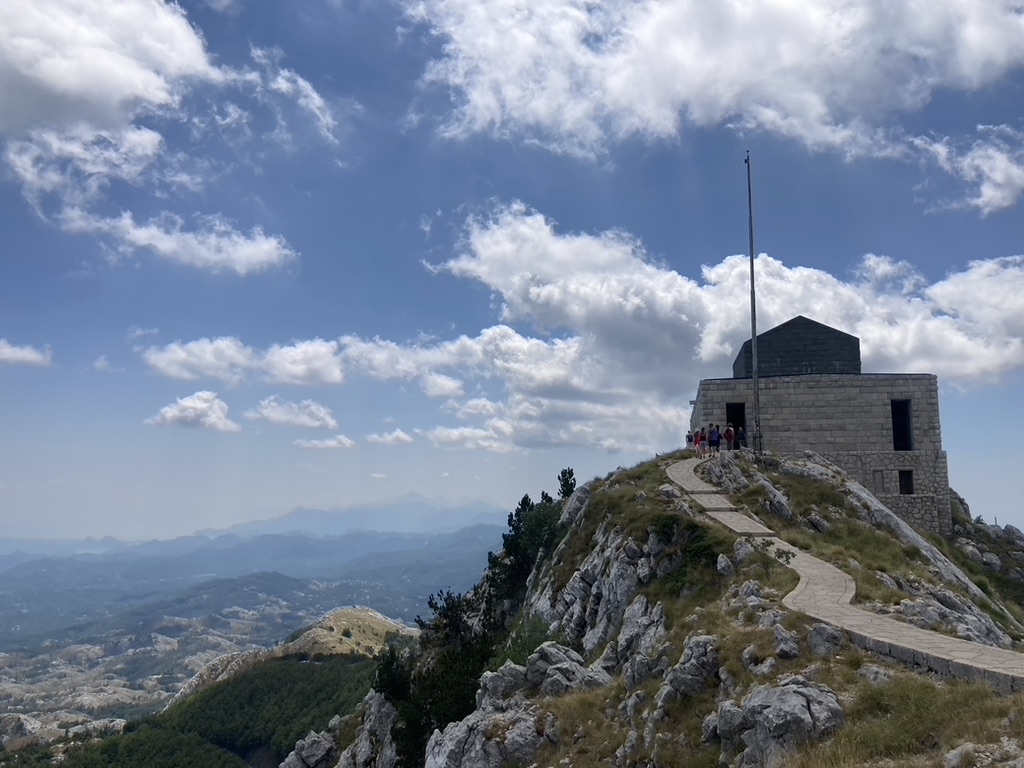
[800,346]
[848,420]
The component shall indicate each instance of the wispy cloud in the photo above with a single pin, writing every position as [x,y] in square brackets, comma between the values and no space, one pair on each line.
[307,413]
[331,443]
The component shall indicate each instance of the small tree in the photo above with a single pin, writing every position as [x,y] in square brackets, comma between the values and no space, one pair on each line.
[768,555]
[566,483]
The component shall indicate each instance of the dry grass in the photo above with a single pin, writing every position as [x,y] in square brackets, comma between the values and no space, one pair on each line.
[913,721]
[346,631]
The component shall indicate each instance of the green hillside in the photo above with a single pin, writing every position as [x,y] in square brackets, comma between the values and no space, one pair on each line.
[252,719]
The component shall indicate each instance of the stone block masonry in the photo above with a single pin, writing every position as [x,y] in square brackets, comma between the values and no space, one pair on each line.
[850,420]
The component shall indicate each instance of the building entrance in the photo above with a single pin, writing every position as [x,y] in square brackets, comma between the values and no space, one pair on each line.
[736,414]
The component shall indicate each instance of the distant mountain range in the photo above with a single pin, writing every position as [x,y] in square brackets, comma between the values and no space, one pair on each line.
[102,627]
[411,513]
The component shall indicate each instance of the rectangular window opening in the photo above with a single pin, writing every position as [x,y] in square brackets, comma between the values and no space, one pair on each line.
[906,482]
[878,480]
[902,426]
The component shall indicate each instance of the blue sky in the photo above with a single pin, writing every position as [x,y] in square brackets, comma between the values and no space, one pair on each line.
[267,255]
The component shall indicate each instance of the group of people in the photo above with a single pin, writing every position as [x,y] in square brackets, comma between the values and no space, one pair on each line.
[708,441]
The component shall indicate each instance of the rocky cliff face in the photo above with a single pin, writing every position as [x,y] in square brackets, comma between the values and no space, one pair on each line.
[669,643]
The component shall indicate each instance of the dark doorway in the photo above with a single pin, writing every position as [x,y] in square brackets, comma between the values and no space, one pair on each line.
[902,426]
[736,414]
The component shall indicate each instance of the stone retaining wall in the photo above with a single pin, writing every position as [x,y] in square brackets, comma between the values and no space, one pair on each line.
[1003,682]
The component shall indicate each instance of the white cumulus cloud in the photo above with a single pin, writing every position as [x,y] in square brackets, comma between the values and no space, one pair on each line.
[578,76]
[609,352]
[307,413]
[312,361]
[24,355]
[94,94]
[315,361]
[65,62]
[439,385]
[201,409]
[223,358]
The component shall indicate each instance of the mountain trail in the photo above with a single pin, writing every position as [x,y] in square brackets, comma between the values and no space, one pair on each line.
[825,593]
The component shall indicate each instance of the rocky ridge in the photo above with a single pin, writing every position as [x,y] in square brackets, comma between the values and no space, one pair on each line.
[762,682]
[351,630]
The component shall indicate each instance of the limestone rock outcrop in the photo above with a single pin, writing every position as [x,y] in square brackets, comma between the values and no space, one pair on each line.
[554,670]
[316,750]
[374,746]
[491,738]
[589,609]
[690,676]
[773,719]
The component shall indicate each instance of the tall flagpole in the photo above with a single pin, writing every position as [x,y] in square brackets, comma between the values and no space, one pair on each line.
[753,316]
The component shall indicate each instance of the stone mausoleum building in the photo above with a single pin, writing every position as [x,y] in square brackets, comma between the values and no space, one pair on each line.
[881,428]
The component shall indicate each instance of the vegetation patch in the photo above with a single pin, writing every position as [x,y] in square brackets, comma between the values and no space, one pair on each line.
[907,716]
[254,718]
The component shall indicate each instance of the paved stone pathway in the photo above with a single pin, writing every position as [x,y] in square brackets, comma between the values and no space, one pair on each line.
[824,593]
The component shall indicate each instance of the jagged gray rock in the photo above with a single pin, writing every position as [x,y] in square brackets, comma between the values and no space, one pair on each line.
[555,670]
[373,746]
[991,561]
[755,664]
[774,719]
[491,739]
[874,674]
[725,567]
[575,505]
[776,503]
[1014,533]
[818,523]
[496,687]
[888,580]
[786,644]
[317,750]
[639,650]
[969,549]
[690,676]
[825,640]
[726,474]
[742,550]
[937,608]
[588,610]
[768,619]
[669,492]
[709,728]
[872,511]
